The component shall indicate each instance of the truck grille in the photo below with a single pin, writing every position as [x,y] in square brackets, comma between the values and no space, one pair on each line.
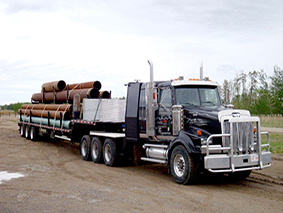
[242,136]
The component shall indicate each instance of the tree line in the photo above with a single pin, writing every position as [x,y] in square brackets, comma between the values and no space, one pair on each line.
[255,91]
[14,106]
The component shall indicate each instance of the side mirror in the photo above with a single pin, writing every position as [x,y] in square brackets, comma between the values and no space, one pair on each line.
[229,106]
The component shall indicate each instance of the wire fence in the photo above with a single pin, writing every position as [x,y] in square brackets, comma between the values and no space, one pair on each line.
[8,113]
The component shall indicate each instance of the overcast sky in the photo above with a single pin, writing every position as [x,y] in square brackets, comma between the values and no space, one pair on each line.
[110,41]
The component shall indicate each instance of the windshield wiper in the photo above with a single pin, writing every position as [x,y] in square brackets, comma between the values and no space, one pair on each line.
[190,104]
[209,102]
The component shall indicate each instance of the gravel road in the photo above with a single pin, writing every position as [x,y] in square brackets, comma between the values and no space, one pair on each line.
[52,177]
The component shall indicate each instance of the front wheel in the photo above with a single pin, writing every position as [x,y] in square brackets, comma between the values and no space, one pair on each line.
[182,166]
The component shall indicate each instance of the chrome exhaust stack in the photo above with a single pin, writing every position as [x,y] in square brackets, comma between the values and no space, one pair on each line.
[201,72]
[152,105]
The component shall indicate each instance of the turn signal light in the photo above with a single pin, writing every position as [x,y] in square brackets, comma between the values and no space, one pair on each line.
[199,132]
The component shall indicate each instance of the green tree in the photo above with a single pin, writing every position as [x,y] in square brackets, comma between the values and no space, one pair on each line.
[253,77]
[263,102]
[277,90]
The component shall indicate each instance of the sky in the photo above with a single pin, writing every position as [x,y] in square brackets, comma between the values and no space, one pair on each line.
[111,41]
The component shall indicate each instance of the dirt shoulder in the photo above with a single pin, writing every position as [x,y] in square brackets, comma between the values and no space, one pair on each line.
[272,130]
[56,179]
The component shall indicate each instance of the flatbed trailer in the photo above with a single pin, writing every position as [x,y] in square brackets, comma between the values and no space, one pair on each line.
[179,123]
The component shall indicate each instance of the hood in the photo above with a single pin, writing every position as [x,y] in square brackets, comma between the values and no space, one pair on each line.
[203,118]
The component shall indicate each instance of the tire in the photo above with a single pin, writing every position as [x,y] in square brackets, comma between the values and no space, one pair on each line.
[22,130]
[85,147]
[237,176]
[182,166]
[110,152]
[33,133]
[27,132]
[96,150]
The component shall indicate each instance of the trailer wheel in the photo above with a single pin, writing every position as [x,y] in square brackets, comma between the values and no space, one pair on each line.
[27,132]
[85,147]
[182,166]
[96,150]
[33,133]
[22,130]
[110,152]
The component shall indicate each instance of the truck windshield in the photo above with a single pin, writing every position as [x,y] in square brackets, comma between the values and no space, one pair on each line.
[206,96]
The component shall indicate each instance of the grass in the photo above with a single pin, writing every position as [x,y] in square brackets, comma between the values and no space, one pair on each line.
[276,143]
[276,140]
[271,121]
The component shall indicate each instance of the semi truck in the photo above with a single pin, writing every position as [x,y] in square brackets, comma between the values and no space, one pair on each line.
[179,123]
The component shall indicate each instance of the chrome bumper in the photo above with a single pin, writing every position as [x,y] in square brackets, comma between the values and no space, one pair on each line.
[223,159]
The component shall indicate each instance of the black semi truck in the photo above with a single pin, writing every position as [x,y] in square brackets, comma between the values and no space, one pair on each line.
[179,122]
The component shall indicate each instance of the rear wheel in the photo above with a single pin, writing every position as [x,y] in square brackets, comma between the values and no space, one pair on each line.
[110,152]
[22,130]
[85,147]
[27,132]
[33,133]
[182,166]
[96,150]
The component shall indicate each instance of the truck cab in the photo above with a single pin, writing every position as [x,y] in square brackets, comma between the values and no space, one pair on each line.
[183,124]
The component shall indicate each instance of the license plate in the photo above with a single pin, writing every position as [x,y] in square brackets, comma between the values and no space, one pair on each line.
[254,157]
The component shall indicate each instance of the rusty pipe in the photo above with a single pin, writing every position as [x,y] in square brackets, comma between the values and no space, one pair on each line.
[85,85]
[84,93]
[66,115]
[104,94]
[51,107]
[61,97]
[56,85]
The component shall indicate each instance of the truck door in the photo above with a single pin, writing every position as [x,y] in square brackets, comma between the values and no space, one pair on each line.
[164,112]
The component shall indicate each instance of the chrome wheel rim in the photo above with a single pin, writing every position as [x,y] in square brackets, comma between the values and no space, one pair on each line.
[107,152]
[84,148]
[22,130]
[179,165]
[31,133]
[94,150]
[26,132]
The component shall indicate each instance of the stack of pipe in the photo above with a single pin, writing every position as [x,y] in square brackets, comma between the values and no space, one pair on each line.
[59,92]
[57,115]
[54,111]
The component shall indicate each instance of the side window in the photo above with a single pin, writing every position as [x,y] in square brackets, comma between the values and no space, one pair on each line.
[142,112]
[166,97]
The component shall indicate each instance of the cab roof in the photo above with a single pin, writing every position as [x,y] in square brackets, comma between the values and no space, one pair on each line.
[193,83]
